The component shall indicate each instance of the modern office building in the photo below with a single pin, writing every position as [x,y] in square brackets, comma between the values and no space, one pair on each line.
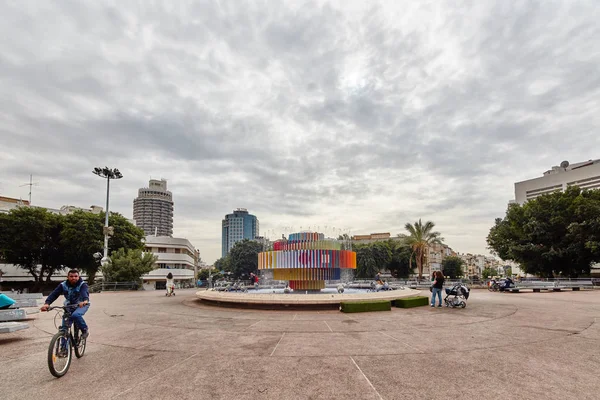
[237,226]
[586,175]
[153,209]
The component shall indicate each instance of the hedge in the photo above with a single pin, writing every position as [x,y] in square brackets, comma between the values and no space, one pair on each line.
[409,302]
[365,306]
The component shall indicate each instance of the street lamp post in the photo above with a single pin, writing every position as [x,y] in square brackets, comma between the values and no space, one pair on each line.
[108,173]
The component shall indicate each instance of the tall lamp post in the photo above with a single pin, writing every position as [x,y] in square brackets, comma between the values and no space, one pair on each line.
[108,173]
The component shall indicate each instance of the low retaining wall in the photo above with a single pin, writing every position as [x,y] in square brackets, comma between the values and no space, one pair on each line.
[293,300]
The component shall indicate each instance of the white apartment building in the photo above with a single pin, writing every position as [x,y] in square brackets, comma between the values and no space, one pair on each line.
[586,175]
[172,253]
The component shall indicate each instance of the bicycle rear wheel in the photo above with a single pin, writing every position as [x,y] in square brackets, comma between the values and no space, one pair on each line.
[59,354]
[79,344]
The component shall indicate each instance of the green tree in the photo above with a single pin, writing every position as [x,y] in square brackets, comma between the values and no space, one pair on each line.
[222,264]
[508,271]
[420,237]
[366,266]
[83,236]
[400,264]
[453,266]
[489,272]
[244,258]
[551,235]
[30,239]
[382,255]
[128,265]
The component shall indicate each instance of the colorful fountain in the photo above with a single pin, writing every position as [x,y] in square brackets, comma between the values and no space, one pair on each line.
[307,260]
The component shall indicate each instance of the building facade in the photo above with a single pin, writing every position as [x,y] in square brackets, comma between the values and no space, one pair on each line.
[371,238]
[586,175]
[153,209]
[172,253]
[236,227]
[8,203]
[436,254]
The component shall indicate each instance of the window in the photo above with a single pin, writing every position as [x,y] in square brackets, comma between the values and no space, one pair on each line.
[162,250]
[177,251]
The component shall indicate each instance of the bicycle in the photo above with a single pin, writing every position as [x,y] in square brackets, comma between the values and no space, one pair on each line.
[493,286]
[170,291]
[64,342]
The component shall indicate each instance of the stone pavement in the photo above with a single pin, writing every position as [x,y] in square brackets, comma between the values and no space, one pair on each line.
[144,345]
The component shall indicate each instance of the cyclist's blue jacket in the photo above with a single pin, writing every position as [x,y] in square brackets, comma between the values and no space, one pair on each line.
[73,294]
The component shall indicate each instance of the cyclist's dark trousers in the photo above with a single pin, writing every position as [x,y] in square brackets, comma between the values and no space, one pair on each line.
[77,317]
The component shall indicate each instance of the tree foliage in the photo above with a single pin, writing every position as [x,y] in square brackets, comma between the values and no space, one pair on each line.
[243,258]
[43,243]
[452,266]
[366,267]
[30,239]
[83,236]
[128,265]
[489,272]
[204,274]
[400,265]
[392,255]
[552,235]
[420,237]
[222,264]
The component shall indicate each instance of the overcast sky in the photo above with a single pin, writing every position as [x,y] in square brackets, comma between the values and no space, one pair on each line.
[355,116]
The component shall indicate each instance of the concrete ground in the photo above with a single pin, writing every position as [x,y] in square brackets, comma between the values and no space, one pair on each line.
[146,346]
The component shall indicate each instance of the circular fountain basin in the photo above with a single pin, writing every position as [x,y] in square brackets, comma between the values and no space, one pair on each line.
[276,298]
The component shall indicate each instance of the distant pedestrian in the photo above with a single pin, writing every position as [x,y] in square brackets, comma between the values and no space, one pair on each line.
[436,288]
[170,285]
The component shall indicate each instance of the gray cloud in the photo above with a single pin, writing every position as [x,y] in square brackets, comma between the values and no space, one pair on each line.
[357,115]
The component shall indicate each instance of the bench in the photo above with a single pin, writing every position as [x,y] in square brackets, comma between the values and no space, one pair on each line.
[537,287]
[12,326]
[24,296]
[9,320]
[26,303]
[12,315]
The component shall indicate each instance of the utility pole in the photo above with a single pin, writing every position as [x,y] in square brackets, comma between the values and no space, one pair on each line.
[30,184]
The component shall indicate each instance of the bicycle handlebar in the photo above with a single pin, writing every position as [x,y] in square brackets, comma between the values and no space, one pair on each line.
[70,306]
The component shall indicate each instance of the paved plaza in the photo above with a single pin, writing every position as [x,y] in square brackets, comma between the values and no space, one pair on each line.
[146,346]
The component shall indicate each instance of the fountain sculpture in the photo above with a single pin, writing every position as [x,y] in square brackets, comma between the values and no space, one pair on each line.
[307,260]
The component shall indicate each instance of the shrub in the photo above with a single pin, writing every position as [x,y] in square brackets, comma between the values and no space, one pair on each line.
[409,302]
[365,306]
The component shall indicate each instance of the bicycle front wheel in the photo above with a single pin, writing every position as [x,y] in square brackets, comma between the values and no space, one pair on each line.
[59,354]
[79,345]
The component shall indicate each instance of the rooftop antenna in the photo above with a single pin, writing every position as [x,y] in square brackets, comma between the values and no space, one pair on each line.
[30,184]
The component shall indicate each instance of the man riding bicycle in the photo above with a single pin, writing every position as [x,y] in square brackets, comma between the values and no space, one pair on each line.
[76,292]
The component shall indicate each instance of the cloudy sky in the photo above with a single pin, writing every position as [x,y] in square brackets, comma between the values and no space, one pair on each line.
[355,116]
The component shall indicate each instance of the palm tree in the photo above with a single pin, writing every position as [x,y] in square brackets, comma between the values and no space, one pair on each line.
[420,238]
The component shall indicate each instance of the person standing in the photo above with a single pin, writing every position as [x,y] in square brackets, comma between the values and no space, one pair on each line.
[436,288]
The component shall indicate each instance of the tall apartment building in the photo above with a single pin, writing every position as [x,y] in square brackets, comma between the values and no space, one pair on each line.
[236,227]
[153,209]
[586,175]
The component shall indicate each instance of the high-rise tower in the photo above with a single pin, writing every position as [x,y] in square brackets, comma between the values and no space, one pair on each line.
[153,209]
[237,226]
